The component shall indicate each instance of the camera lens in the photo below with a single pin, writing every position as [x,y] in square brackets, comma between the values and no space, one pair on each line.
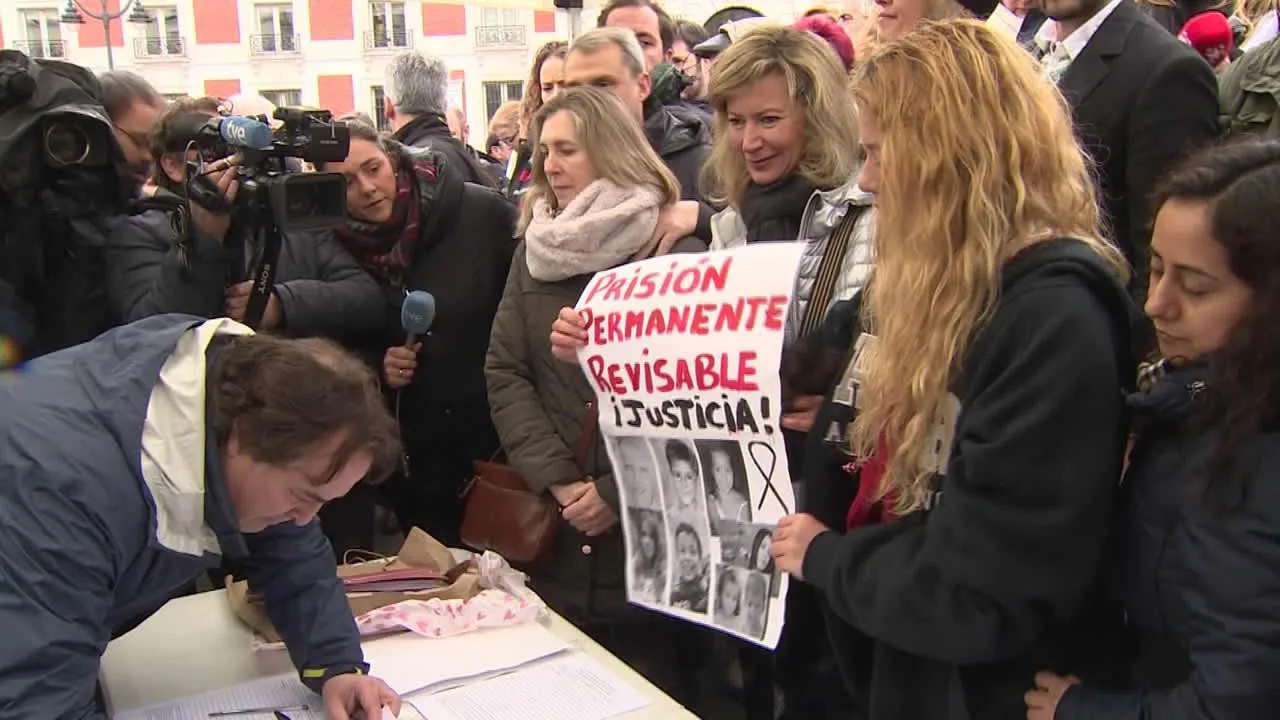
[65,143]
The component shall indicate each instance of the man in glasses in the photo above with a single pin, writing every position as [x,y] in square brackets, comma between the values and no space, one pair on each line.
[697,72]
[135,109]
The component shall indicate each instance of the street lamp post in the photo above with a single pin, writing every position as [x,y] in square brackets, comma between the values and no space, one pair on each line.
[71,15]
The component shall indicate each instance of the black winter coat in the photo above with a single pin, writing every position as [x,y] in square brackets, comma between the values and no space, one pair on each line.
[948,612]
[322,290]
[431,132]
[462,257]
[1202,587]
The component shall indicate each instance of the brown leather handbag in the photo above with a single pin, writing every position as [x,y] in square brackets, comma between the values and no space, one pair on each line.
[504,516]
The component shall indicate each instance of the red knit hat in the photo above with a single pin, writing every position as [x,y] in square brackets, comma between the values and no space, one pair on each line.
[832,32]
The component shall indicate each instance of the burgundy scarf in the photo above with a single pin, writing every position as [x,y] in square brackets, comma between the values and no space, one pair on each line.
[386,249]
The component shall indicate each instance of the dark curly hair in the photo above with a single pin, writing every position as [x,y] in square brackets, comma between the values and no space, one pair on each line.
[1238,181]
[283,397]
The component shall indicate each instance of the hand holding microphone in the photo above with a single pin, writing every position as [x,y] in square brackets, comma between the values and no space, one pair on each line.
[417,313]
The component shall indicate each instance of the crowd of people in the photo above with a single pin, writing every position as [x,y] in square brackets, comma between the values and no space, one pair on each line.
[1029,371]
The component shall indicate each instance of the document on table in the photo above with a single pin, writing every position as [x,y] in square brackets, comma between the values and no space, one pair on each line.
[279,691]
[409,662]
[568,687]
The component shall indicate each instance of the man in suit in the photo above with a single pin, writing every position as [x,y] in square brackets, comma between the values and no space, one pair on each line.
[1141,101]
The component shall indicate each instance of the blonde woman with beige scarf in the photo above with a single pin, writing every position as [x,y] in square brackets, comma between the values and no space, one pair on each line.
[595,194]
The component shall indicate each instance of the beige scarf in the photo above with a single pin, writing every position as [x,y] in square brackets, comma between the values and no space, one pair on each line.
[604,226]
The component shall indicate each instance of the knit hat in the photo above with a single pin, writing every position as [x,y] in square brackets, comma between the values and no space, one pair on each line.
[832,33]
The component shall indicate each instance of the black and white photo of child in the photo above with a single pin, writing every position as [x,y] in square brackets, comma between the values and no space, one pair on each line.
[739,543]
[683,494]
[761,561]
[636,473]
[726,474]
[648,555]
[689,591]
[755,605]
[728,609]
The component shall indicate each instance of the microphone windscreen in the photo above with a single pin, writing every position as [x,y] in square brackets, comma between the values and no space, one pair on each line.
[418,312]
[1209,34]
[183,129]
[246,133]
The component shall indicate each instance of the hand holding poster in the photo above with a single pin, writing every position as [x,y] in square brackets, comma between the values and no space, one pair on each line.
[683,352]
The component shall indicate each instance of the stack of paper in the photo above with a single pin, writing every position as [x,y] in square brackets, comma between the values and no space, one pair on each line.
[282,691]
[568,687]
[409,662]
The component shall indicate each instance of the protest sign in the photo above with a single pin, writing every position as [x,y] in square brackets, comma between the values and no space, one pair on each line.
[683,352]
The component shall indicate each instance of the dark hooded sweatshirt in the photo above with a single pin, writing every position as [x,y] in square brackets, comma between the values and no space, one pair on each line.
[682,138]
[948,612]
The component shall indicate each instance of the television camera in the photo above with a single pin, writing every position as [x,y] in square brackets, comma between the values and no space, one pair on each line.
[275,195]
[273,190]
[59,185]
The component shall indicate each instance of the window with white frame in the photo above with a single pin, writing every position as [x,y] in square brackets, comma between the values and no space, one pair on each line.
[276,33]
[386,21]
[501,17]
[498,92]
[43,34]
[379,97]
[163,36]
[283,98]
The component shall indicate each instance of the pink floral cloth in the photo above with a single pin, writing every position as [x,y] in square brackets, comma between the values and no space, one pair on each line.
[443,618]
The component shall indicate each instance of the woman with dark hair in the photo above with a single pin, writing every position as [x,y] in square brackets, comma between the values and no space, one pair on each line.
[413,224]
[761,560]
[1202,518]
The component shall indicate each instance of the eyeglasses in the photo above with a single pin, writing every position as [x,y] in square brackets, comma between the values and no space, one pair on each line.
[139,139]
[687,64]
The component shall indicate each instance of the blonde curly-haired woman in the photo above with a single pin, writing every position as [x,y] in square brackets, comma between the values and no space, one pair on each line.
[975,440]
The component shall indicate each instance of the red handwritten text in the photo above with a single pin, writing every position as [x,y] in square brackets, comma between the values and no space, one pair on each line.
[700,373]
[740,315]
[640,283]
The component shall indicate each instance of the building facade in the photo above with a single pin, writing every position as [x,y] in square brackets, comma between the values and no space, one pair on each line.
[327,53]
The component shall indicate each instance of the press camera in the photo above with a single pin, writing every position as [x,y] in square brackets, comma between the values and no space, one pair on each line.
[274,191]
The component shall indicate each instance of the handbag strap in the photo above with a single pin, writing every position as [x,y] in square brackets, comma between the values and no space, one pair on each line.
[824,284]
[587,438]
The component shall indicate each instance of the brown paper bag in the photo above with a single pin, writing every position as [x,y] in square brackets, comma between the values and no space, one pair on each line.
[419,550]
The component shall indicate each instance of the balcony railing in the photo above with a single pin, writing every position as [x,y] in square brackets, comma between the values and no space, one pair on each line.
[383,40]
[490,36]
[169,46]
[45,49]
[273,44]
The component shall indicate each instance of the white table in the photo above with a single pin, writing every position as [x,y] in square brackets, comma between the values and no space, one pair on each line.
[195,644]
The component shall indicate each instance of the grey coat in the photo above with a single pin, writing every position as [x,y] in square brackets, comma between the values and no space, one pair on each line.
[322,290]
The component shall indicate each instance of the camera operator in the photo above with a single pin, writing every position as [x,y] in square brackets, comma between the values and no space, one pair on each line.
[135,108]
[175,255]
[59,185]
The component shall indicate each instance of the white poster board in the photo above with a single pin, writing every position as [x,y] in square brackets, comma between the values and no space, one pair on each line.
[684,354]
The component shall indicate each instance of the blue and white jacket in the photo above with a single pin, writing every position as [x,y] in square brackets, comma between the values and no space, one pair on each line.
[112,497]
